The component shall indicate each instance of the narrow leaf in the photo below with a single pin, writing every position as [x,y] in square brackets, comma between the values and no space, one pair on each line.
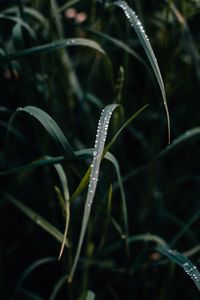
[65,188]
[109,145]
[52,47]
[57,287]
[97,156]
[40,221]
[189,134]
[20,22]
[85,179]
[137,25]
[111,158]
[120,44]
[50,125]
[47,161]
[182,261]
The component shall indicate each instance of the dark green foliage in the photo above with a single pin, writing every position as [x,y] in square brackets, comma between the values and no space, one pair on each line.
[61,63]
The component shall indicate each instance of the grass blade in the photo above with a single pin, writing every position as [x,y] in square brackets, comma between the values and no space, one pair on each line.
[50,125]
[109,145]
[189,134]
[47,161]
[59,44]
[57,287]
[144,40]
[65,188]
[85,179]
[111,158]
[35,14]
[40,221]
[120,44]
[182,261]
[19,21]
[97,156]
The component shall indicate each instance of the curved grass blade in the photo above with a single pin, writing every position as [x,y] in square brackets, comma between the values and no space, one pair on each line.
[29,270]
[120,44]
[17,36]
[147,237]
[50,125]
[182,261]
[47,161]
[37,219]
[137,25]
[185,228]
[109,156]
[109,145]
[52,47]
[95,166]
[57,287]
[38,16]
[20,22]
[65,188]
[85,179]
[191,133]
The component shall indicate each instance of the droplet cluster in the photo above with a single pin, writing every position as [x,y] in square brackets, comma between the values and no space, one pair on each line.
[193,272]
[101,135]
[132,17]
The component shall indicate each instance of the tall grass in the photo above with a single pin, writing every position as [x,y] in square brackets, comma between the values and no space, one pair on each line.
[116,219]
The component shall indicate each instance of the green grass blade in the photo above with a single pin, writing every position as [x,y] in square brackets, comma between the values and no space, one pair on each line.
[57,287]
[65,188]
[109,145]
[19,21]
[85,179]
[185,228]
[182,261]
[120,44]
[47,161]
[148,237]
[17,36]
[189,134]
[59,44]
[30,11]
[37,219]
[193,133]
[111,158]
[97,156]
[51,127]
[144,40]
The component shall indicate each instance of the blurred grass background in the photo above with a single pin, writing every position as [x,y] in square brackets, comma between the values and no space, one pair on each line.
[72,85]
